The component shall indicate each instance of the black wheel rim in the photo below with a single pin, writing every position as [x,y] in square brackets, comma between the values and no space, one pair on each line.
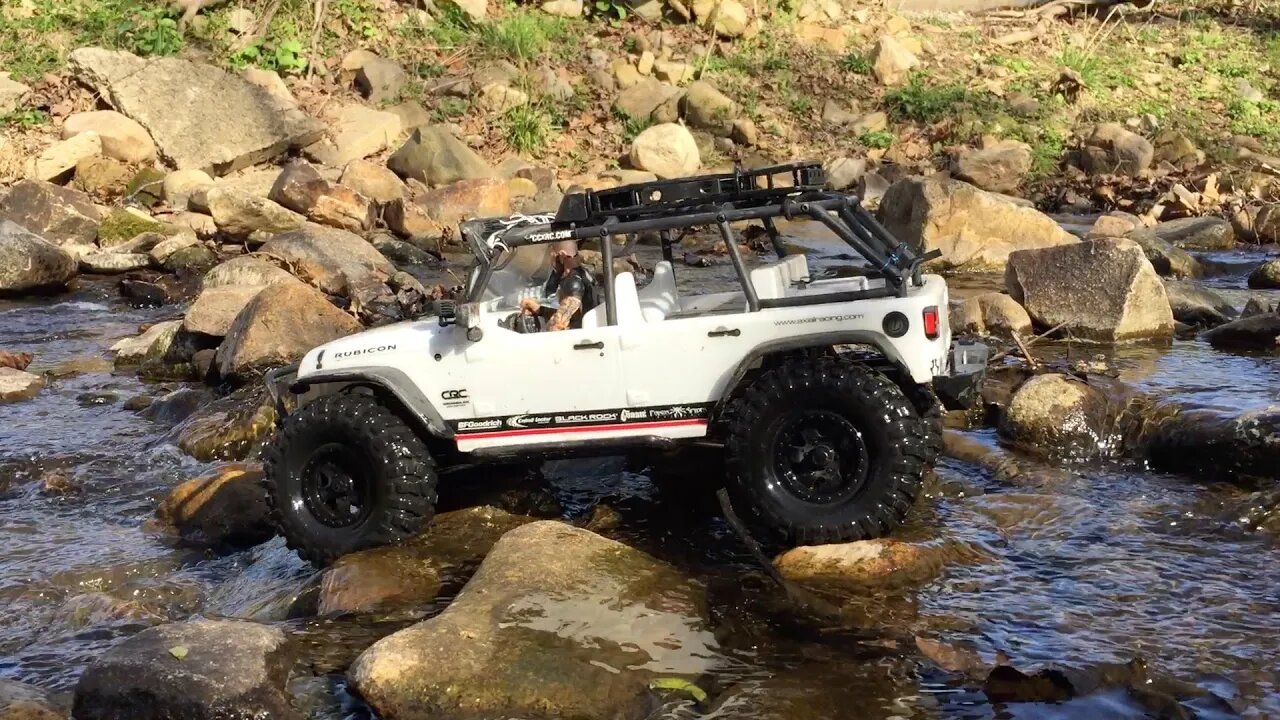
[820,457]
[334,490]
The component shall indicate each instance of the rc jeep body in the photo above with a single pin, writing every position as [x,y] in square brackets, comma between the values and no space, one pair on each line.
[822,392]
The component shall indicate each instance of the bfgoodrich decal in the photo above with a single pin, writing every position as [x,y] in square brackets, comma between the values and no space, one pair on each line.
[622,416]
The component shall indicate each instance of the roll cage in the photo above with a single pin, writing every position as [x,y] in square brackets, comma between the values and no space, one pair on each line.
[794,190]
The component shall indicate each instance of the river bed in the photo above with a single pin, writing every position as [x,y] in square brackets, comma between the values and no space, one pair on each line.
[1100,564]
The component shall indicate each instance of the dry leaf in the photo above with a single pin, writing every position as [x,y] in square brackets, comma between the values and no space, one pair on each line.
[178,651]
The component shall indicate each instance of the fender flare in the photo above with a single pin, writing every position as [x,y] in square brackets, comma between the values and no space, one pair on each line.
[388,380]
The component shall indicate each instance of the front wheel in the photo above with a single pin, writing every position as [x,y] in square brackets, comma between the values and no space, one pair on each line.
[346,473]
[822,450]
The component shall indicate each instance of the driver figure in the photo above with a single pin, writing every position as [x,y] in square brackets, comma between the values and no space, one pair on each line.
[572,285]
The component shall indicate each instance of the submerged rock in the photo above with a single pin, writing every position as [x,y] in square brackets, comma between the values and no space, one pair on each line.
[1266,276]
[30,264]
[267,333]
[1167,259]
[1215,445]
[1100,290]
[1196,305]
[974,229]
[16,385]
[227,508]
[197,670]
[1057,416]
[19,701]
[557,623]
[992,314]
[867,562]
[1258,332]
[411,575]
[227,428]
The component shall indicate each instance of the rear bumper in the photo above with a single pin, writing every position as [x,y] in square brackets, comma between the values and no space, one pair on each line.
[960,389]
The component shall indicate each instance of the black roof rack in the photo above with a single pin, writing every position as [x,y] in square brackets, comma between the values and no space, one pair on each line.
[742,187]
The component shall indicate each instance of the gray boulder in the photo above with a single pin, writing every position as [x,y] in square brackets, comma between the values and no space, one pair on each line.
[229,124]
[60,215]
[269,332]
[1197,233]
[1113,150]
[332,260]
[1258,332]
[1167,259]
[1266,276]
[112,263]
[28,263]
[432,155]
[1197,306]
[1057,416]
[197,670]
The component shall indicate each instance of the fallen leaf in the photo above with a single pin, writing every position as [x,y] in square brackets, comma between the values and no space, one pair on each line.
[679,685]
[178,651]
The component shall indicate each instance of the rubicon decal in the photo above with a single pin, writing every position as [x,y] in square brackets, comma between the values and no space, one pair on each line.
[364,351]
[621,418]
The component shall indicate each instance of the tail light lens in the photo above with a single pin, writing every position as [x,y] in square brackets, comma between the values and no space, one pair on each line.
[931,323]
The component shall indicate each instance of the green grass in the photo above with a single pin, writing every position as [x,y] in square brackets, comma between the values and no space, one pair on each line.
[631,127]
[35,45]
[877,139]
[450,108]
[922,102]
[1098,71]
[528,128]
[855,62]
[1256,119]
[24,118]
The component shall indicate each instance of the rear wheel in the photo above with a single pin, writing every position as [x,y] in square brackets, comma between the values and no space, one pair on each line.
[822,450]
[930,410]
[346,473]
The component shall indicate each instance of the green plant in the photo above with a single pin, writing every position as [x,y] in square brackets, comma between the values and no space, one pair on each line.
[450,108]
[24,118]
[877,139]
[528,128]
[855,62]
[631,126]
[1260,119]
[615,11]
[358,17]
[1046,152]
[522,36]
[799,104]
[289,57]
[922,102]
[154,32]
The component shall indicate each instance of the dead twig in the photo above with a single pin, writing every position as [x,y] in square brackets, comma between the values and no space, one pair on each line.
[317,23]
[1006,353]
[1025,352]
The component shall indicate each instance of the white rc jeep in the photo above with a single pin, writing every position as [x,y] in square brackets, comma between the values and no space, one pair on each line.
[822,392]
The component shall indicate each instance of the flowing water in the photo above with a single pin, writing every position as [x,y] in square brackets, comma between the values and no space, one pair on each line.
[1080,568]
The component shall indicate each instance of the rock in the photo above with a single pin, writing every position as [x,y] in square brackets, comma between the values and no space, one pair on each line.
[499,97]
[843,173]
[1266,276]
[332,260]
[216,308]
[642,100]
[13,94]
[466,199]
[301,189]
[411,575]
[626,75]
[380,80]
[410,220]
[728,18]
[999,166]
[228,428]
[227,669]
[267,333]
[373,181]
[516,641]
[1165,258]
[246,270]
[834,113]
[17,361]
[192,259]
[412,116]
[358,133]
[1266,224]
[154,342]
[975,230]
[1259,332]
[476,10]
[102,177]
[17,385]
[61,158]
[992,314]
[179,186]
[28,263]
[402,253]
[1220,446]
[1114,224]
[1113,150]
[270,81]
[240,214]
[1177,150]
[745,132]
[19,701]
[891,61]
[1193,305]
[563,8]
[432,155]
[866,562]
[1103,290]
[1197,233]
[667,150]
[707,108]
[229,124]
[60,215]
[162,250]
[226,508]
[676,73]
[122,139]
[147,187]
[123,225]
[356,59]
[1057,416]
[113,263]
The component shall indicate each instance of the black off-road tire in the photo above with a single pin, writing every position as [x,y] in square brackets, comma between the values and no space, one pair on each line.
[836,395]
[372,447]
[929,409]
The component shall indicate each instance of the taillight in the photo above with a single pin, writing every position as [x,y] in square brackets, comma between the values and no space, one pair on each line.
[931,323]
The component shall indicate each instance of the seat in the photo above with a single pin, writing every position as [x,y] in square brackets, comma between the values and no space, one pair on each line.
[771,281]
[625,298]
[659,298]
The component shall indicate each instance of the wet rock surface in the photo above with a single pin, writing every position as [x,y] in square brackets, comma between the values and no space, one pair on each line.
[266,333]
[24,702]
[225,509]
[541,638]
[1059,415]
[201,670]
[29,263]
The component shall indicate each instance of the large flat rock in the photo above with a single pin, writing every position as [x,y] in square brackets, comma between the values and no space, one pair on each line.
[200,117]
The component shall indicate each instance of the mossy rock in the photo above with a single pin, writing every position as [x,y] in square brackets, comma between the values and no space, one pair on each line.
[147,187]
[121,226]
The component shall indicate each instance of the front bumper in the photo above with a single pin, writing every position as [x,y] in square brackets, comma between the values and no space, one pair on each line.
[961,389]
[279,382]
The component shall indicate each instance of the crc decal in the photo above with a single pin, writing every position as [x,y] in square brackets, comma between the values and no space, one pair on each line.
[455,398]
[364,351]
[554,235]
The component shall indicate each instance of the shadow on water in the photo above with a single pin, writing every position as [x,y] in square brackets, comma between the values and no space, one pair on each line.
[1096,566]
